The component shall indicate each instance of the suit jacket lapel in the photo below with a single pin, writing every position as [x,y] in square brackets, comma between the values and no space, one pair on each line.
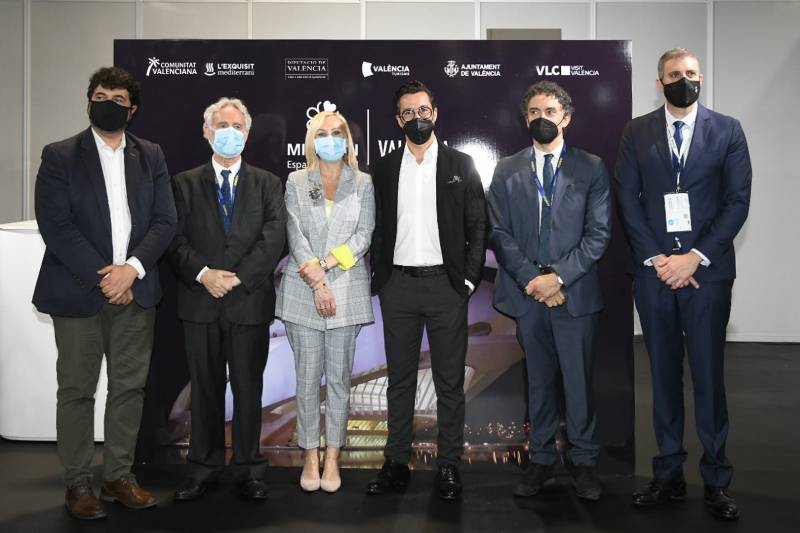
[315,182]
[699,142]
[91,159]
[343,191]
[659,135]
[566,178]
[241,200]
[529,201]
[209,194]
[133,173]
[443,175]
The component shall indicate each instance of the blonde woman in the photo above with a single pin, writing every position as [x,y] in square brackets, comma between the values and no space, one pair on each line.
[324,297]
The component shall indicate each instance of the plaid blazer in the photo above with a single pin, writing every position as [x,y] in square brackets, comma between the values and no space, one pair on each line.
[310,235]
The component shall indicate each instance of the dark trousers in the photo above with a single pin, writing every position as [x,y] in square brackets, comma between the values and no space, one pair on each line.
[124,333]
[408,305]
[559,351]
[208,348]
[694,319]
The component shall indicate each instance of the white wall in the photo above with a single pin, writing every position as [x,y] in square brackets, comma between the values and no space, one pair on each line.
[748,50]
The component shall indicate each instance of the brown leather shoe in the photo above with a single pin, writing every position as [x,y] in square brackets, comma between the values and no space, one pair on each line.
[81,503]
[128,493]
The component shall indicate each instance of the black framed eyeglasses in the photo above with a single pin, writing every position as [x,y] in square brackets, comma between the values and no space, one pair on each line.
[424,112]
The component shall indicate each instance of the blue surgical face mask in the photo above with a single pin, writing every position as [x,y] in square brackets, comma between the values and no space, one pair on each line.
[330,149]
[228,142]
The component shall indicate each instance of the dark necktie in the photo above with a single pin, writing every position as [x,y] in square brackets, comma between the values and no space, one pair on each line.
[226,202]
[544,226]
[678,136]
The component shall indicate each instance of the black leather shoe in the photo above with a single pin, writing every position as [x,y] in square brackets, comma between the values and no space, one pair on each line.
[586,481]
[720,503]
[659,491]
[448,482]
[191,489]
[393,476]
[253,489]
[533,479]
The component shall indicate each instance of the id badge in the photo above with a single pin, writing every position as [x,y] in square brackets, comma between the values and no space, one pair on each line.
[676,207]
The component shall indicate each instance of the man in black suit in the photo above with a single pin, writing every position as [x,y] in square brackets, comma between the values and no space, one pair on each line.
[550,212]
[683,184]
[427,253]
[231,231]
[106,214]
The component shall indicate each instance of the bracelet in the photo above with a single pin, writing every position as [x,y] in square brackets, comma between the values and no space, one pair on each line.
[315,289]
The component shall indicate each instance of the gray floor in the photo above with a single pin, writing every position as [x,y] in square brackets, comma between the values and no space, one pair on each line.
[764,404]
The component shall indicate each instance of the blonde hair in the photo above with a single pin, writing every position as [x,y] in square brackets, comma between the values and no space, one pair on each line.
[673,53]
[314,125]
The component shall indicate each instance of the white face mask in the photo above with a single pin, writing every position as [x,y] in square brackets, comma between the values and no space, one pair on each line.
[228,142]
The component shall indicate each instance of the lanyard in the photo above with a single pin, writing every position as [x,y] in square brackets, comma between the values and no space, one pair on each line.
[678,156]
[233,194]
[548,201]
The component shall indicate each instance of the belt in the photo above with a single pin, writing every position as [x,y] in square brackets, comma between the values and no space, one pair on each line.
[421,272]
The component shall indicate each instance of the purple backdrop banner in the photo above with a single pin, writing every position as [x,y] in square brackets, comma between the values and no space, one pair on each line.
[478,87]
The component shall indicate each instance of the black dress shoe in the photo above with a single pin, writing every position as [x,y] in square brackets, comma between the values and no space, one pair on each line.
[448,482]
[393,476]
[191,489]
[586,481]
[720,503]
[253,489]
[533,479]
[659,491]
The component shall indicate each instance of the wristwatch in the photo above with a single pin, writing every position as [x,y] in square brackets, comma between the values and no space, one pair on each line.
[324,264]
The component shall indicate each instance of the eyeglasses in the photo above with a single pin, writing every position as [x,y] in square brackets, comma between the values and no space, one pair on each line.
[424,112]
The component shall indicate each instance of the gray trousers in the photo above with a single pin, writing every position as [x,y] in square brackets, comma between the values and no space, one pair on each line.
[330,351]
[125,335]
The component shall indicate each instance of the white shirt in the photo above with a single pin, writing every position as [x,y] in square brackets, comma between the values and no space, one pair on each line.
[688,132]
[417,241]
[113,165]
[234,168]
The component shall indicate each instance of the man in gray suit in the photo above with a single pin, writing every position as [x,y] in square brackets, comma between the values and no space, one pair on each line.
[550,216]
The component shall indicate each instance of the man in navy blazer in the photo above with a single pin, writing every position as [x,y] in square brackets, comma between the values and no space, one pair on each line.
[550,216]
[683,183]
[106,214]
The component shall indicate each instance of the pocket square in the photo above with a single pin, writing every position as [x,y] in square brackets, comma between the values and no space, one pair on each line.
[454,179]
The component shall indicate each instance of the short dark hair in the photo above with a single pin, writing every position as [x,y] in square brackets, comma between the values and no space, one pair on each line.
[115,78]
[550,89]
[412,87]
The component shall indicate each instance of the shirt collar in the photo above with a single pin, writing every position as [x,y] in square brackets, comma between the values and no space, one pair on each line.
[556,151]
[430,154]
[234,168]
[688,120]
[102,145]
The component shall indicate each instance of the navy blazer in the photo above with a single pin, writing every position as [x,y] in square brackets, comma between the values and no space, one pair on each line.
[580,230]
[75,222]
[717,174]
[460,212]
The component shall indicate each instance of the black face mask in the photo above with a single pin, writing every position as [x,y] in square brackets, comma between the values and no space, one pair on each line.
[682,93]
[108,115]
[543,131]
[418,130]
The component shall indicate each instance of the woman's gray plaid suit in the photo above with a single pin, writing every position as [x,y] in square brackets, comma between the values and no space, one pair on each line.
[326,344]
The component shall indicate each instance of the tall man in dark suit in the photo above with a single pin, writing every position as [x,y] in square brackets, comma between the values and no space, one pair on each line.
[427,253]
[231,231]
[105,211]
[683,184]
[550,216]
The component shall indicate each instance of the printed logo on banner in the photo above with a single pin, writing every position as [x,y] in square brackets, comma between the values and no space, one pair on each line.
[565,70]
[306,68]
[472,70]
[156,67]
[312,111]
[368,69]
[230,69]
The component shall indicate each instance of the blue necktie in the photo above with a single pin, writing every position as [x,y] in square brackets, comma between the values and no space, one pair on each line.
[678,136]
[226,202]
[544,226]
